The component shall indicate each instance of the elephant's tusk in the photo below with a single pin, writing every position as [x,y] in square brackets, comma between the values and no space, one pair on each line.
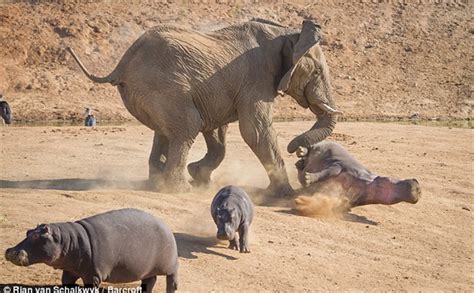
[301,152]
[329,110]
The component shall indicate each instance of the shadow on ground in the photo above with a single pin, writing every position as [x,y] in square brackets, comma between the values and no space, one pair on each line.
[189,244]
[76,184]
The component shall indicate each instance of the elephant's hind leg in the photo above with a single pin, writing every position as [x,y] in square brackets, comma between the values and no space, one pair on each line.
[202,169]
[178,148]
[157,160]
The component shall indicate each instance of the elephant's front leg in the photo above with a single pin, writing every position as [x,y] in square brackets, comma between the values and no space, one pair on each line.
[157,160]
[255,123]
[215,142]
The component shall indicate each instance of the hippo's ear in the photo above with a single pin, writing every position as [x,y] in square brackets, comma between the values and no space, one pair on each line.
[29,232]
[54,233]
[44,230]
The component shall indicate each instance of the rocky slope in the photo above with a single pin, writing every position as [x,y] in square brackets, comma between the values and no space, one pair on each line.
[387,60]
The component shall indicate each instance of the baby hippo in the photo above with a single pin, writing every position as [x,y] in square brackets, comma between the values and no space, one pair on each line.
[232,212]
[119,246]
[328,161]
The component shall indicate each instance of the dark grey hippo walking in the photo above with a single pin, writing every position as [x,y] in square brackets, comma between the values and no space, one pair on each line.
[119,246]
[232,211]
[328,161]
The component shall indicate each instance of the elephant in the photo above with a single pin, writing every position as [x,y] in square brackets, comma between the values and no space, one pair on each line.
[180,82]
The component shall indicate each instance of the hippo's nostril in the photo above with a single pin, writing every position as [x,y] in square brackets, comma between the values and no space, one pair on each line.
[415,192]
[10,254]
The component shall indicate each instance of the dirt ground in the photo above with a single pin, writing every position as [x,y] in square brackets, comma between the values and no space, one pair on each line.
[54,174]
[387,59]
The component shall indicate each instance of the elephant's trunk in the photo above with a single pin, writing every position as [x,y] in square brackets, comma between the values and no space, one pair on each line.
[320,130]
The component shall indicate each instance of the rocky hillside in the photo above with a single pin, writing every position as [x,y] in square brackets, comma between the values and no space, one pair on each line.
[387,60]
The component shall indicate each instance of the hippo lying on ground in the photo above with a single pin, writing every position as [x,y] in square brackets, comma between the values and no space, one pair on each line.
[329,162]
[232,211]
[119,246]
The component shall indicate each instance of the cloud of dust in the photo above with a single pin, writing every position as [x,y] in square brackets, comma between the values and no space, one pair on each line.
[250,175]
[329,201]
[199,223]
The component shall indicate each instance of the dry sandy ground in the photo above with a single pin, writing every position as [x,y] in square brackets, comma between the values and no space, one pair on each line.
[64,174]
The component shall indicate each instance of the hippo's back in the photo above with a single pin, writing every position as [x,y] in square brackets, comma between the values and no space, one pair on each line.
[130,244]
[335,154]
[233,196]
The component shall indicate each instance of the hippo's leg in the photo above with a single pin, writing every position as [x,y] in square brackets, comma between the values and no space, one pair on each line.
[93,281]
[233,244]
[386,190]
[244,238]
[172,282]
[148,284]
[311,178]
[215,142]
[68,278]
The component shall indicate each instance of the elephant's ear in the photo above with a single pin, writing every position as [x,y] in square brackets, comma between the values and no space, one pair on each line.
[310,36]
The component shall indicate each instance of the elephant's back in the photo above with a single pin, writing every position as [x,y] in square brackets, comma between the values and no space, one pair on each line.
[176,54]
[190,45]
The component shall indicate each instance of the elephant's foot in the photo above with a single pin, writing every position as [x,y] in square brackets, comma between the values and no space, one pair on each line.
[176,186]
[201,175]
[153,183]
[280,190]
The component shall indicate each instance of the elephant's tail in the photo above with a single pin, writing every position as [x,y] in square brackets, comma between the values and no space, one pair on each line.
[106,79]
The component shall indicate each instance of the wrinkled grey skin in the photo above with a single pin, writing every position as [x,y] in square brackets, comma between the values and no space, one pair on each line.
[232,211]
[329,162]
[180,82]
[119,246]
